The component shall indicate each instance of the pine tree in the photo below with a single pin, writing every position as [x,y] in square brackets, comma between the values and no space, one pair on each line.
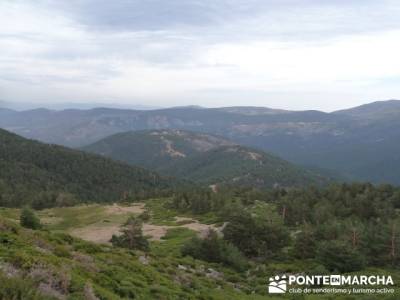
[131,236]
[28,219]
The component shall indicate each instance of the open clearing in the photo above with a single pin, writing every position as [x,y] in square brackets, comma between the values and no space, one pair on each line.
[98,224]
[102,233]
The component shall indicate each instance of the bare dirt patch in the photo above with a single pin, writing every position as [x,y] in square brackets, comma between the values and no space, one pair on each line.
[214,188]
[50,220]
[170,150]
[96,233]
[102,233]
[201,229]
[155,232]
[116,209]
[184,219]
[254,156]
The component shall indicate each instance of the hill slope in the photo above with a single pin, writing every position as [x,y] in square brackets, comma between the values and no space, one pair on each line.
[42,265]
[203,158]
[46,175]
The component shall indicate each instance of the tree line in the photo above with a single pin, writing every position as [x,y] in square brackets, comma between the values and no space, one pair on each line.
[344,227]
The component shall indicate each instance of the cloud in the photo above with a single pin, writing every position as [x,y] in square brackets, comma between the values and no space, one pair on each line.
[230,52]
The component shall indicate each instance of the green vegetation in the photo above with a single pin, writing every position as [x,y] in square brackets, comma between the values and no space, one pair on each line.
[40,175]
[343,227]
[339,256]
[255,237]
[243,166]
[333,231]
[199,201]
[46,265]
[362,217]
[28,219]
[131,236]
[215,249]
[20,289]
[63,218]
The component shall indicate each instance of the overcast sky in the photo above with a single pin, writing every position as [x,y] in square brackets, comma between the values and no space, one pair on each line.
[304,54]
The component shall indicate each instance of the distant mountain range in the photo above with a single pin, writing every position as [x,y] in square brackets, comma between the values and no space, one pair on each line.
[203,158]
[69,105]
[362,143]
[47,175]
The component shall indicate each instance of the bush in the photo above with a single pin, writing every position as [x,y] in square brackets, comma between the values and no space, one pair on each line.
[145,216]
[215,249]
[61,251]
[16,288]
[28,219]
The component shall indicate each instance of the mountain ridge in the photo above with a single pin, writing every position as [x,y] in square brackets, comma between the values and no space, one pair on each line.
[338,141]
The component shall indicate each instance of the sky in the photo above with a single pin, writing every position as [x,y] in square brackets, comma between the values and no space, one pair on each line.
[304,54]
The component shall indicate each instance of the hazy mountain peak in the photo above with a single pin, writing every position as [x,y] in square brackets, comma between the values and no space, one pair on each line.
[373,110]
[252,110]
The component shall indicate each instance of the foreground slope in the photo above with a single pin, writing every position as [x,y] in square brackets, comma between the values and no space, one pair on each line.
[45,175]
[345,229]
[203,158]
[40,265]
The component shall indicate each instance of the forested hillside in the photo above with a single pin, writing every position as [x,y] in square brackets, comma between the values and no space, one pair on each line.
[47,175]
[242,166]
[204,158]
